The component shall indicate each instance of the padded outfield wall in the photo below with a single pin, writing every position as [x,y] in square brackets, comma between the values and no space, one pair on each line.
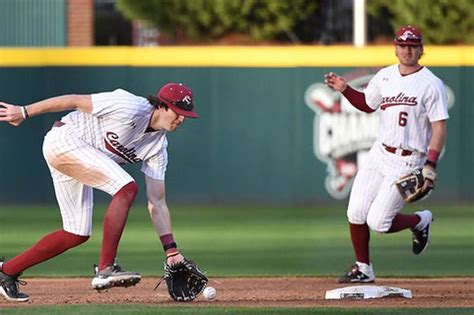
[269,131]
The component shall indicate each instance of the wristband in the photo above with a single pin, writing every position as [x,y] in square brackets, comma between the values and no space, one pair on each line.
[169,246]
[24,112]
[432,158]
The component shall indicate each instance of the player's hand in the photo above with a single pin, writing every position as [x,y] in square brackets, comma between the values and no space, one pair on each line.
[335,82]
[430,177]
[11,114]
[174,259]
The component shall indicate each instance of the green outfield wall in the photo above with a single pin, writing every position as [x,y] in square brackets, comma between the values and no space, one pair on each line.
[260,137]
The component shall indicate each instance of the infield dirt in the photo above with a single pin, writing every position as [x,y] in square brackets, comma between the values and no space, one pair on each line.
[250,292]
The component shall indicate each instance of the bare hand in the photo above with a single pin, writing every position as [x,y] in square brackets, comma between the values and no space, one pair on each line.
[335,82]
[11,114]
[174,259]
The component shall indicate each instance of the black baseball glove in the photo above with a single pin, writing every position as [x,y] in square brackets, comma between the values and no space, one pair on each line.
[417,185]
[184,280]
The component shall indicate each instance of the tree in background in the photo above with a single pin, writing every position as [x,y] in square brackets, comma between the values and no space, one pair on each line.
[301,21]
[441,21]
[208,20]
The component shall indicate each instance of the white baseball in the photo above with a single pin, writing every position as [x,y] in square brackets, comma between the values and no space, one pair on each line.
[210,293]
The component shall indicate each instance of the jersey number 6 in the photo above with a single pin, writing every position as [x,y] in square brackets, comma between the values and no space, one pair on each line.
[402,119]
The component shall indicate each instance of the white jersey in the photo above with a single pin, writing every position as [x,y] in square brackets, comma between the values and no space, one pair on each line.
[117,127]
[407,106]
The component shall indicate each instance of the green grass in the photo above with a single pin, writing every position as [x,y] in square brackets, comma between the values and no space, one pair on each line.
[247,241]
[251,241]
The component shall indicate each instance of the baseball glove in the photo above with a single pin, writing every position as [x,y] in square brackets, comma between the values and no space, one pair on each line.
[184,280]
[417,185]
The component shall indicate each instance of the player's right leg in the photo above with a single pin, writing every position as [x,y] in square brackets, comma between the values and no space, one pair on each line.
[75,203]
[75,163]
[364,190]
[74,195]
[46,248]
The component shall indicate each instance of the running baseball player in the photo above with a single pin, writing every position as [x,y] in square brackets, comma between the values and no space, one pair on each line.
[84,151]
[413,109]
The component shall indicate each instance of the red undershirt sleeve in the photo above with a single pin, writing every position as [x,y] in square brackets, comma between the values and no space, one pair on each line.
[357,99]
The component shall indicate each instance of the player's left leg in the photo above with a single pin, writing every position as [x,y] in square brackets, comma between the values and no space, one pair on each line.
[419,223]
[384,216]
[76,203]
[421,232]
[109,274]
[115,219]
[385,207]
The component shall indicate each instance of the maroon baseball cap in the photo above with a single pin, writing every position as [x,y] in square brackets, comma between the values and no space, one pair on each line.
[179,98]
[408,35]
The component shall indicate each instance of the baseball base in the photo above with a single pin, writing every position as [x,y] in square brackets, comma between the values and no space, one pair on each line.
[367,292]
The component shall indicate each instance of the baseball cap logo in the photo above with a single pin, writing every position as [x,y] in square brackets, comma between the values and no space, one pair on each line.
[187,99]
[408,35]
[186,103]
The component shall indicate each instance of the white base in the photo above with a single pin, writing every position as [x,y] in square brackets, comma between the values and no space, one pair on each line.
[367,292]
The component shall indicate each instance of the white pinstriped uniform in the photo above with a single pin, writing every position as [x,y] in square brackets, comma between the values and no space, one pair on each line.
[407,105]
[85,153]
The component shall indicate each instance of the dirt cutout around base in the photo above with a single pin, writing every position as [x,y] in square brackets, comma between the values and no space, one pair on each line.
[250,292]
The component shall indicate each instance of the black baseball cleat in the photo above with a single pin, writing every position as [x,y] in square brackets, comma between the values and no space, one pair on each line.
[421,233]
[9,288]
[360,273]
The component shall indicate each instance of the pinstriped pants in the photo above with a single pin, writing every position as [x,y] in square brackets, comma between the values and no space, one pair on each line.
[76,168]
[374,198]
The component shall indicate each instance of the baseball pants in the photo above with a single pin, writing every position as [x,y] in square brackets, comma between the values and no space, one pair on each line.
[374,198]
[76,168]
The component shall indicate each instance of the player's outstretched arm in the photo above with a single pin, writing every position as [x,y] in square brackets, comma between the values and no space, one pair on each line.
[356,98]
[184,279]
[335,82]
[15,114]
[159,212]
[11,114]
[60,104]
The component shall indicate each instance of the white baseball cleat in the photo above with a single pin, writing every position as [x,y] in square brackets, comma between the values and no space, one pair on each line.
[114,276]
